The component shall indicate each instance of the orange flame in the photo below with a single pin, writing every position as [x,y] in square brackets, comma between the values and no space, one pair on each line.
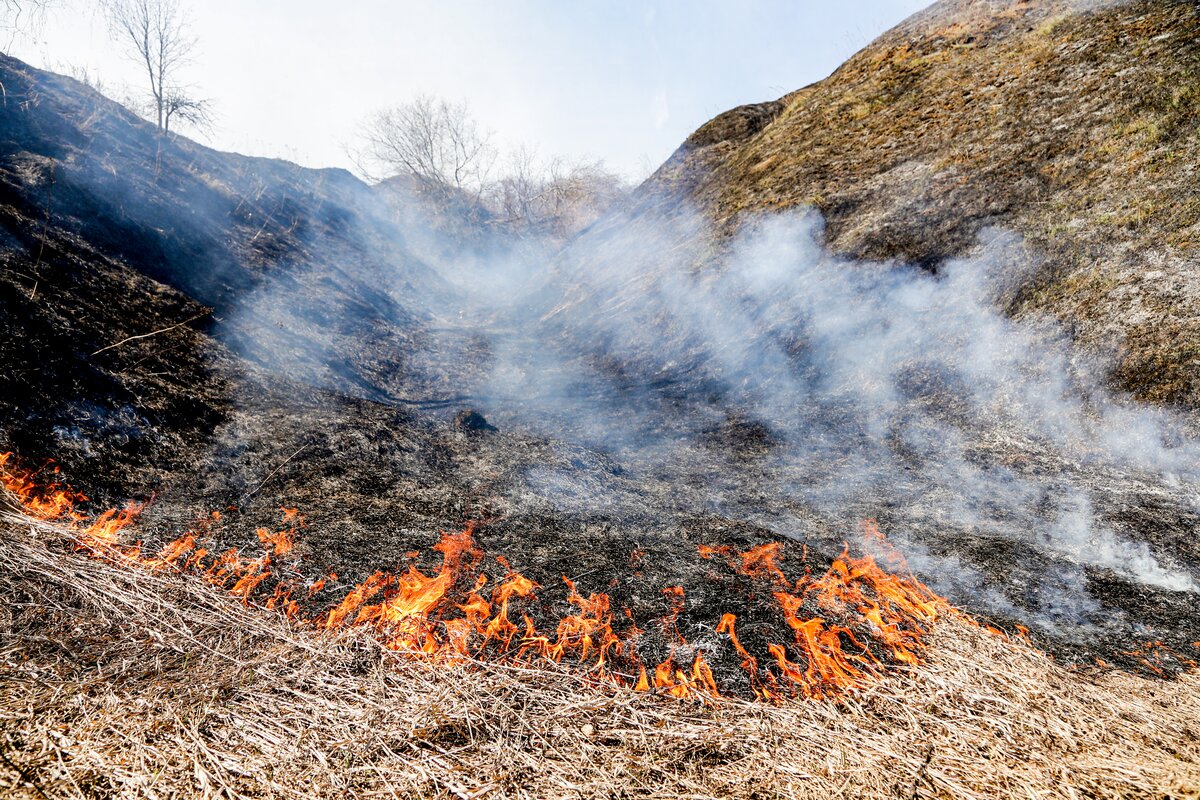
[51,501]
[885,616]
[847,627]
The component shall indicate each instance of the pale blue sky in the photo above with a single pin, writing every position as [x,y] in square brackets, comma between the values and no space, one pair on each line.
[618,80]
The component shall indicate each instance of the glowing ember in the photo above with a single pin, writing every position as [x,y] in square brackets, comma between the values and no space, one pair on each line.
[847,627]
[1160,659]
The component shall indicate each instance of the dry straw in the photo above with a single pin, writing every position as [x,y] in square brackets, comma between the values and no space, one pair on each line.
[119,682]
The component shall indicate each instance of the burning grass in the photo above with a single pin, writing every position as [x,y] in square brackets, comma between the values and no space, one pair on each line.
[122,683]
[120,679]
[452,616]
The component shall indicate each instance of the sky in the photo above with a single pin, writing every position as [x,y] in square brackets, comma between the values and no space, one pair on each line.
[620,81]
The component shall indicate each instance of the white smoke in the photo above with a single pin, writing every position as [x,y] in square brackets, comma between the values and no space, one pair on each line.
[991,446]
[886,382]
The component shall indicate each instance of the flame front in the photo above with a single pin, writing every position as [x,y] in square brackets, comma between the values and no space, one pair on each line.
[883,617]
[845,628]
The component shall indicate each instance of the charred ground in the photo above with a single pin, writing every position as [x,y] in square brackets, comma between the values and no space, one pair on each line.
[302,356]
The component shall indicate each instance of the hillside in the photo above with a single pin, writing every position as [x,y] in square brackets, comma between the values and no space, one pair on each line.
[177,322]
[856,455]
[221,332]
[1073,124]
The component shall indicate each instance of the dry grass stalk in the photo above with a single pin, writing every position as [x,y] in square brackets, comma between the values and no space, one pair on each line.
[122,683]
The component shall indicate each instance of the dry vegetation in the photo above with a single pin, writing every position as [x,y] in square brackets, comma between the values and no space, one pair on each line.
[124,683]
[116,682]
[1072,123]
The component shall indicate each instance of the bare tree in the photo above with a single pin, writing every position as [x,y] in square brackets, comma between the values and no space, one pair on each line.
[434,144]
[156,34]
[22,15]
[576,195]
[518,196]
[436,166]
[11,9]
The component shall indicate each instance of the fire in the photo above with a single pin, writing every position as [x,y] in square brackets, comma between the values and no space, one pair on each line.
[884,617]
[763,562]
[1160,659]
[851,625]
[52,501]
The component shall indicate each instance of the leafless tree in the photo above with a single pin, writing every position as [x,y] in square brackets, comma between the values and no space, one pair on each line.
[157,37]
[10,9]
[436,164]
[518,196]
[434,144]
[578,194]
[20,15]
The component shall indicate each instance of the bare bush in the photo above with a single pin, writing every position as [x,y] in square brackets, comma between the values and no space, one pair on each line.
[554,200]
[434,143]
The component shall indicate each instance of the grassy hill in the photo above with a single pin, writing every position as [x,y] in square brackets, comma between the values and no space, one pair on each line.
[1074,124]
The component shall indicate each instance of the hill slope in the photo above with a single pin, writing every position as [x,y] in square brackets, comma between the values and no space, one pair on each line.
[232,333]
[1074,124]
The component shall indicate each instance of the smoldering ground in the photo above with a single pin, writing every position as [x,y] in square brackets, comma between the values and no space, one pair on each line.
[653,388]
[781,386]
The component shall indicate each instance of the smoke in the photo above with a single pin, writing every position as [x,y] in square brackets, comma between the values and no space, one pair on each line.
[650,376]
[778,385]
[886,389]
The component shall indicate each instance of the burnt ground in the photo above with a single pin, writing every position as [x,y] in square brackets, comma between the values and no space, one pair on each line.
[301,356]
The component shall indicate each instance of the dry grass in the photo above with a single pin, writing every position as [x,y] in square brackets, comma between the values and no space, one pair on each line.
[120,683]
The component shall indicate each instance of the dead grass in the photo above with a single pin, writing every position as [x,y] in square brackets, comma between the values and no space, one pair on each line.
[1076,130]
[122,683]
